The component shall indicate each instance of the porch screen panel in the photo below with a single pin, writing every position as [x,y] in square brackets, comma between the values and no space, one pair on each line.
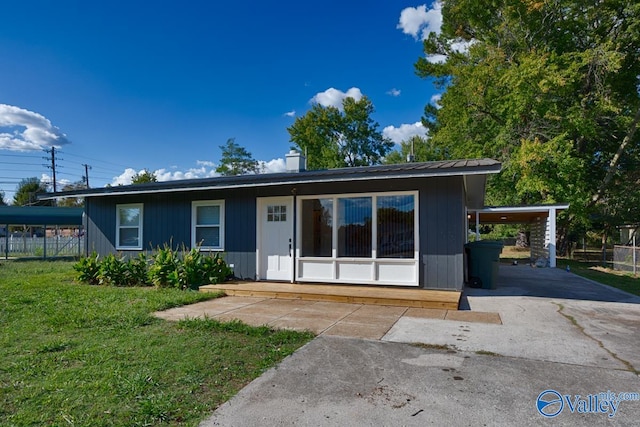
[396,226]
[317,227]
[354,227]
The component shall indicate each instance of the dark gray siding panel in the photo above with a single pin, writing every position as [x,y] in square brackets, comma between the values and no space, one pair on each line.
[442,233]
[167,219]
[100,217]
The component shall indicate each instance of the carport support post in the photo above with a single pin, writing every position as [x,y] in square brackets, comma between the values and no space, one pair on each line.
[552,237]
[634,253]
[477,225]
[6,242]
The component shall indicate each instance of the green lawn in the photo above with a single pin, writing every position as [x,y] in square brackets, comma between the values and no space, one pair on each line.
[79,355]
[593,270]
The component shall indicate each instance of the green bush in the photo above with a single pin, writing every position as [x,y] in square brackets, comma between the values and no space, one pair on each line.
[88,269]
[113,271]
[166,268]
[163,270]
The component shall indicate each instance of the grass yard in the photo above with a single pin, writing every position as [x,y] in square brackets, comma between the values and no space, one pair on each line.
[594,271]
[80,355]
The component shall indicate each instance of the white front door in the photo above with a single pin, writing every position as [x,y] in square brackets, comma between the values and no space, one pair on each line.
[275,238]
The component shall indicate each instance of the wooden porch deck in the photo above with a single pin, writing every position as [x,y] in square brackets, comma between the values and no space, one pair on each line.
[375,295]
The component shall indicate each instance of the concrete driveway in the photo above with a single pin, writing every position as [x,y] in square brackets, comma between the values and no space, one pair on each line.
[559,332]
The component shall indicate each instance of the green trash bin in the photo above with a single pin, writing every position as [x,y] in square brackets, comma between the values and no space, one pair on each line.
[483,262]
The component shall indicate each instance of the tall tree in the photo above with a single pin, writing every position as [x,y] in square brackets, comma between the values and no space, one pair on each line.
[236,160]
[73,202]
[420,147]
[549,88]
[2,201]
[144,177]
[346,137]
[26,193]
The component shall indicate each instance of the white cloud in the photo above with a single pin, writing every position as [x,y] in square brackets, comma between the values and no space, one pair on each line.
[461,46]
[272,166]
[291,113]
[48,180]
[394,92]
[418,21]
[23,130]
[404,132]
[206,169]
[125,177]
[435,99]
[202,163]
[334,97]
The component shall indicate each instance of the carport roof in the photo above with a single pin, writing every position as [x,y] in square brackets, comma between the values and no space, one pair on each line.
[40,215]
[513,214]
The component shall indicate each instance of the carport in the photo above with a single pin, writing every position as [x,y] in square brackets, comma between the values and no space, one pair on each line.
[40,216]
[541,219]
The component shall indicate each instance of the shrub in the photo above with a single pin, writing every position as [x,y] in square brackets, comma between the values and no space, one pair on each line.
[167,268]
[162,272]
[88,269]
[113,271]
[138,270]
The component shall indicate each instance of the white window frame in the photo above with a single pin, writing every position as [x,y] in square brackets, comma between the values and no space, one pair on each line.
[194,217]
[370,270]
[139,226]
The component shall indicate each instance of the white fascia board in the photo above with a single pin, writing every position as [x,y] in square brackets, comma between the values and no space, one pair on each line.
[523,209]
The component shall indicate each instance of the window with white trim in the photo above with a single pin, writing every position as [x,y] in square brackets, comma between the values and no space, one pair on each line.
[129,227]
[378,225]
[207,225]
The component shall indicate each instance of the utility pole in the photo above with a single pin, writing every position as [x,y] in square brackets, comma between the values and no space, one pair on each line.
[86,174]
[52,151]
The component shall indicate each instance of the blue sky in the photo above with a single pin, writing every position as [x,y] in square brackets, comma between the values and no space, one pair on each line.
[127,85]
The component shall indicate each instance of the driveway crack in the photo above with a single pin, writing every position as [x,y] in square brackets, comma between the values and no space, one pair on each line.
[575,323]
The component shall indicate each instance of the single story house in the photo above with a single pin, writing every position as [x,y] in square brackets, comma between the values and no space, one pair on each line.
[403,224]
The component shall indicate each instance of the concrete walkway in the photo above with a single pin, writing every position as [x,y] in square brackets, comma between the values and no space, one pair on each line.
[321,318]
[559,332]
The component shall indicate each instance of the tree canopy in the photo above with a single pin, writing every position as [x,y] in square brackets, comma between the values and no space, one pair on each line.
[2,201]
[333,138]
[421,147]
[550,88]
[144,177]
[236,160]
[26,193]
[73,202]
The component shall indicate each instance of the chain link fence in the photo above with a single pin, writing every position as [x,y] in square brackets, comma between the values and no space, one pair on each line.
[626,258]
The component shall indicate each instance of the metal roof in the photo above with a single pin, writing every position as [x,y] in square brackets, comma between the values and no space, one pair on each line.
[40,215]
[403,170]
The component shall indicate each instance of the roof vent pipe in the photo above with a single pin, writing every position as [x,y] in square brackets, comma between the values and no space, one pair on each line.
[296,162]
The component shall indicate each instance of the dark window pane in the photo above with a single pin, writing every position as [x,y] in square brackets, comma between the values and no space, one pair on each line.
[354,227]
[208,237]
[317,226]
[208,215]
[396,226]
[129,237]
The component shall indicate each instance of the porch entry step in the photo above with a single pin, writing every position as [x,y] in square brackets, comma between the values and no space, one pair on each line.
[375,295]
